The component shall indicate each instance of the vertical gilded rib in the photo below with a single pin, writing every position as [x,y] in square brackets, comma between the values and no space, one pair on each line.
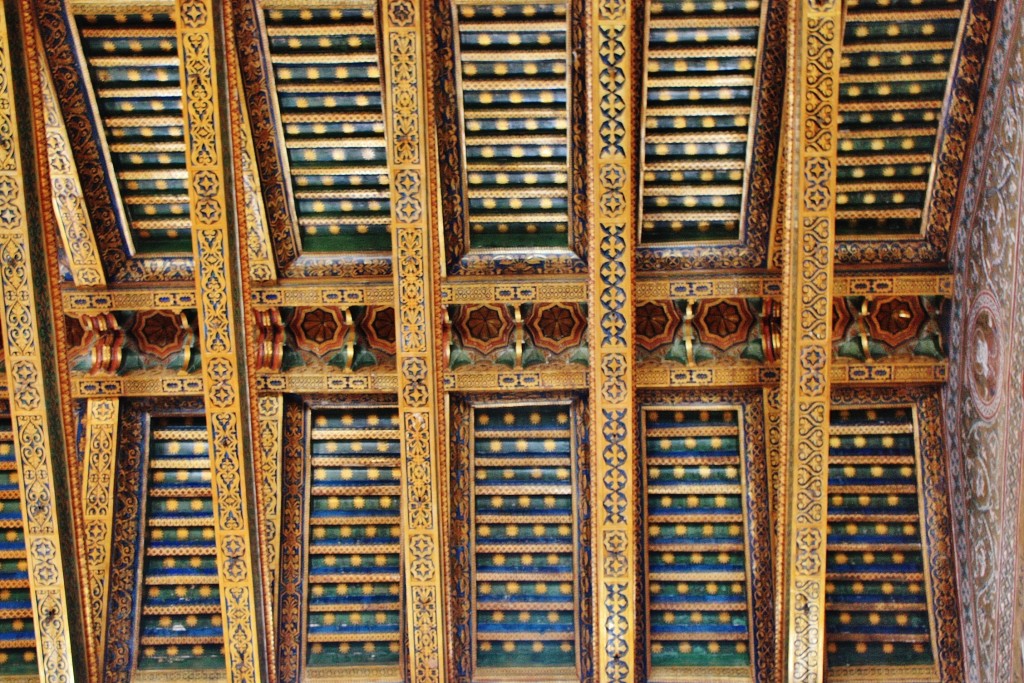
[37,447]
[261,252]
[100,456]
[218,292]
[807,269]
[68,199]
[270,443]
[611,263]
[415,262]
[52,575]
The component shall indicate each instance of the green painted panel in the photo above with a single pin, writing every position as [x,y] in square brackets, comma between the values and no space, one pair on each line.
[134,67]
[180,627]
[876,603]
[696,541]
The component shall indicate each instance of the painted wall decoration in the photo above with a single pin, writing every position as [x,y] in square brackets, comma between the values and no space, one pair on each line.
[984,402]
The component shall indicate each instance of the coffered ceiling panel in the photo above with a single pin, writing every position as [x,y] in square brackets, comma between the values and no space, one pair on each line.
[181,623]
[711,95]
[877,603]
[135,73]
[895,70]
[515,116]
[698,96]
[327,76]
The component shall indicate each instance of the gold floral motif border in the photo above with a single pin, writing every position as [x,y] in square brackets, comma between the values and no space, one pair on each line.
[416,259]
[269,440]
[611,80]
[69,208]
[816,28]
[101,421]
[219,295]
[52,570]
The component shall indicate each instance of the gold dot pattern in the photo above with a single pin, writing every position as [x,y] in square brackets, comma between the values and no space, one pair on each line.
[875,570]
[329,92]
[134,67]
[514,73]
[523,524]
[696,539]
[701,59]
[894,70]
[353,607]
[181,623]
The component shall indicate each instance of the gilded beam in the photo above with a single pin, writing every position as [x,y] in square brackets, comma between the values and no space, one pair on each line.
[660,288]
[474,291]
[339,294]
[260,251]
[256,264]
[270,418]
[416,259]
[611,80]
[224,376]
[35,404]
[146,298]
[807,254]
[69,207]
[101,419]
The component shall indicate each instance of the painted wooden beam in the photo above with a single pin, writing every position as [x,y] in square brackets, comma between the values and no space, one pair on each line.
[72,216]
[36,404]
[269,441]
[611,74]
[256,264]
[218,289]
[807,253]
[415,262]
[101,423]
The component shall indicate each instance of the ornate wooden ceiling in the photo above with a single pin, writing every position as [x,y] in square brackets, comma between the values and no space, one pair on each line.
[291,420]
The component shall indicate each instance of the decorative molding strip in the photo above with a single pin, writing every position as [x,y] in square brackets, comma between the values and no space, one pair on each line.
[140,384]
[776,455]
[553,379]
[662,288]
[929,372]
[417,260]
[562,290]
[269,440]
[68,200]
[712,287]
[262,267]
[101,422]
[667,375]
[218,293]
[649,375]
[808,242]
[376,292]
[653,375]
[322,382]
[78,302]
[39,448]
[611,59]
[895,284]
